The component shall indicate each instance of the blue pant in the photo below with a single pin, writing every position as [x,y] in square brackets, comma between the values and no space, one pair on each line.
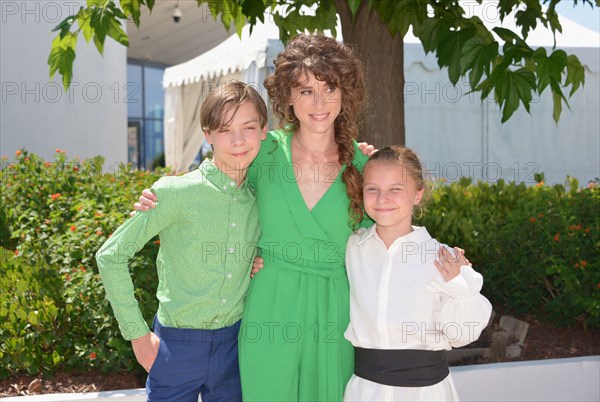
[192,362]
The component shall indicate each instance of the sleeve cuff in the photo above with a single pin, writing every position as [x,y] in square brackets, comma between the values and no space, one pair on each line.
[465,285]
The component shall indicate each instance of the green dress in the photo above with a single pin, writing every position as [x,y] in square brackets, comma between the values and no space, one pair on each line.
[292,345]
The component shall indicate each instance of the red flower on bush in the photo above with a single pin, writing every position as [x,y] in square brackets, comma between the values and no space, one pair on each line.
[57,150]
[571,227]
[55,196]
[16,253]
[157,242]
[587,230]
[576,265]
[82,268]
[578,227]
[93,355]
[18,152]
[73,228]
[583,263]
[540,184]
[47,164]
[541,215]
[557,237]
[532,219]
[75,169]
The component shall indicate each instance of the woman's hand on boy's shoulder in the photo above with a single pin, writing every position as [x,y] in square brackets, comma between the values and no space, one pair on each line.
[146,202]
[145,349]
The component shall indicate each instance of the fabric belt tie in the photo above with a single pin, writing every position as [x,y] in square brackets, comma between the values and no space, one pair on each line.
[402,367]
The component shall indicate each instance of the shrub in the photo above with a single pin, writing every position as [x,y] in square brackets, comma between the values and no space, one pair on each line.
[55,216]
[537,247]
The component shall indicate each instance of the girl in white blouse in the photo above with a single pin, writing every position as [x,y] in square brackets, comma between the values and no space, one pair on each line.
[411,298]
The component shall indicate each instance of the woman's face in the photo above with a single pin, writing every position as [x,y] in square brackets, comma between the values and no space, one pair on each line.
[316,104]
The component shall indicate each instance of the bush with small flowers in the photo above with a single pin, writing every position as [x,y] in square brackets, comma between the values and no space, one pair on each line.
[538,247]
[54,216]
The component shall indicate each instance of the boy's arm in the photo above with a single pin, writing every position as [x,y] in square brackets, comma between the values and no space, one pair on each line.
[113,258]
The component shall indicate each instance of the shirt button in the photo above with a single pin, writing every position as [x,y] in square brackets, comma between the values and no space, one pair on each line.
[229,276]
[224,187]
[231,250]
[216,320]
[232,184]
[224,301]
[233,225]
[234,199]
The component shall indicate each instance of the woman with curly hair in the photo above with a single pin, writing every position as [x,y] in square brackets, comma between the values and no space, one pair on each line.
[308,188]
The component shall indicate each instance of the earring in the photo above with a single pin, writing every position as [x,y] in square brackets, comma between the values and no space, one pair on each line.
[420,212]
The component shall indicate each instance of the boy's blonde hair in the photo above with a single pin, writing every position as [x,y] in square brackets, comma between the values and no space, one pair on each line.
[226,97]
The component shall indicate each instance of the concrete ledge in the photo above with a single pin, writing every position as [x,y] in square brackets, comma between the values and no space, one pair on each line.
[575,379]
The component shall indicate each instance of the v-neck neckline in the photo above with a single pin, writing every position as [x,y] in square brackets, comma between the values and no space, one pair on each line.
[325,194]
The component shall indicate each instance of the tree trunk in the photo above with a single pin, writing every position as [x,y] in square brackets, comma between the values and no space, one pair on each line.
[383,58]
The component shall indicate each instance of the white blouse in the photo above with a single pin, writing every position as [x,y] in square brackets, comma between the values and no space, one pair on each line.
[399,300]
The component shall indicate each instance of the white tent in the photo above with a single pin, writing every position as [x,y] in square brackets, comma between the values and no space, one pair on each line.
[454,132]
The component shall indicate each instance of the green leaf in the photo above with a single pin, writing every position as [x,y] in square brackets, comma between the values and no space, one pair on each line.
[65,26]
[399,15]
[150,4]
[56,358]
[428,32]
[21,314]
[62,56]
[557,109]
[254,9]
[477,56]
[131,8]
[33,319]
[449,51]
[527,19]
[575,74]
[506,35]
[84,23]
[354,4]
[116,32]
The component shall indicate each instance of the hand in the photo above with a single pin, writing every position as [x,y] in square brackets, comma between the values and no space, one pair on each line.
[145,349]
[448,264]
[147,202]
[257,265]
[366,149]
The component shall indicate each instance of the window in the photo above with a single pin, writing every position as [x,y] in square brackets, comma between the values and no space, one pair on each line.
[145,110]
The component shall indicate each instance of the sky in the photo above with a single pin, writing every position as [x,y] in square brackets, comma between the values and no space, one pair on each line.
[582,14]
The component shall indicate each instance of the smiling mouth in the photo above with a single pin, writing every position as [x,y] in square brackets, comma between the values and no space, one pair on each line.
[384,209]
[319,117]
[240,154]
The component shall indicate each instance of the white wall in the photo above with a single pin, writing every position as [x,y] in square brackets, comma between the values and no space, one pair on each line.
[455,134]
[35,112]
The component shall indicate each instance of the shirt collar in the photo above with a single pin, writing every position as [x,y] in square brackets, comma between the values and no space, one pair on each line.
[218,178]
[418,233]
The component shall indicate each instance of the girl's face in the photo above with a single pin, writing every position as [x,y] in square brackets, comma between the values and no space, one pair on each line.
[390,194]
[316,104]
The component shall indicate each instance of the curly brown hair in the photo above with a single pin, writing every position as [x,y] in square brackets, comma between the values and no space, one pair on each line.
[337,65]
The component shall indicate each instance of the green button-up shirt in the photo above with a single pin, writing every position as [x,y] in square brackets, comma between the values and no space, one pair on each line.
[208,230]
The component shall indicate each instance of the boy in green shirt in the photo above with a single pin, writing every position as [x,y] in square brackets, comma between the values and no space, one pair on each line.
[207,222]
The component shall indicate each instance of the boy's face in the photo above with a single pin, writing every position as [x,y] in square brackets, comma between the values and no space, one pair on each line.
[236,145]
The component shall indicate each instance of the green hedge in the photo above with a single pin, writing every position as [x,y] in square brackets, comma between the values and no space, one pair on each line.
[54,217]
[537,247]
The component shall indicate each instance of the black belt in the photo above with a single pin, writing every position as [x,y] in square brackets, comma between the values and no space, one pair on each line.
[401,368]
